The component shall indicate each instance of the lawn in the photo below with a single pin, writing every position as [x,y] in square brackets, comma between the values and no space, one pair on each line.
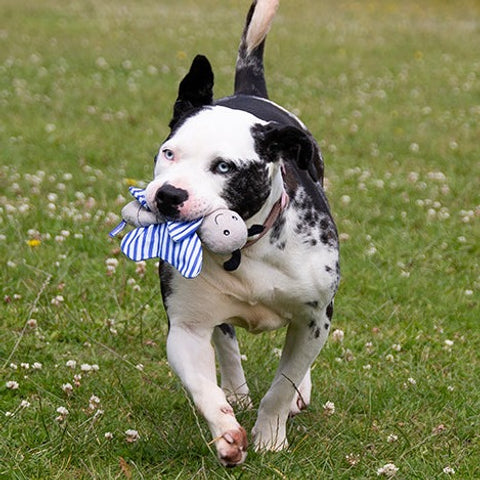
[392,92]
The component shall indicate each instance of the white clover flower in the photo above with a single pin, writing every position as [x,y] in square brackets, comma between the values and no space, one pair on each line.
[58,300]
[392,438]
[67,388]
[94,402]
[328,408]
[414,147]
[132,436]
[12,385]
[37,366]
[24,404]
[108,435]
[32,323]
[277,352]
[449,470]
[24,365]
[389,470]
[85,367]
[63,412]
[338,335]
[71,364]
[397,347]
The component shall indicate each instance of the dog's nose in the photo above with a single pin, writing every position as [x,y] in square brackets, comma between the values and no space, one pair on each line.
[168,198]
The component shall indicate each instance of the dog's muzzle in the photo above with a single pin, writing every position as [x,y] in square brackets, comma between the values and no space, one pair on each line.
[168,199]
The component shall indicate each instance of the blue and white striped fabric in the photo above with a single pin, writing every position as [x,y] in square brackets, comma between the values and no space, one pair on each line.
[175,242]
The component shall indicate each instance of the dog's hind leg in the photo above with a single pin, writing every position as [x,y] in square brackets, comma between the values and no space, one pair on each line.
[232,377]
[249,72]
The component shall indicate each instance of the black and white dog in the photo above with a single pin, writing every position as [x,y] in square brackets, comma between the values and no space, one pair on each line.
[249,155]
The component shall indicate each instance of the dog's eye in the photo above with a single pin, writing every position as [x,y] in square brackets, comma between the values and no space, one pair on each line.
[222,167]
[168,154]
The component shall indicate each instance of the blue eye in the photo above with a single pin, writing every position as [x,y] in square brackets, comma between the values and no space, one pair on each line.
[168,154]
[223,167]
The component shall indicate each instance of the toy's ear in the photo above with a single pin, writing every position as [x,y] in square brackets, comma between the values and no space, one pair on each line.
[195,90]
[274,142]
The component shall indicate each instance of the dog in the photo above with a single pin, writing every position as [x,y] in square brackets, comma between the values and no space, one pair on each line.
[246,154]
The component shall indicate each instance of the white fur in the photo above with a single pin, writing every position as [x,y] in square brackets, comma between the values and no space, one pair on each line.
[260,24]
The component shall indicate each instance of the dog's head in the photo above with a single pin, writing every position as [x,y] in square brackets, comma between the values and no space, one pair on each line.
[217,157]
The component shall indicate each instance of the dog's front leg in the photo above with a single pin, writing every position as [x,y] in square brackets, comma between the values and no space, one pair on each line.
[305,338]
[191,355]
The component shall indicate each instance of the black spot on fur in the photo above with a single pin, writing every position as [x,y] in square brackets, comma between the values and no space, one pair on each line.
[166,274]
[313,304]
[227,330]
[326,326]
[312,324]
[276,232]
[329,311]
[317,333]
[247,189]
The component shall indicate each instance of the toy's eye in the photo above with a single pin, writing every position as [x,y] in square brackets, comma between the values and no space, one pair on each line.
[223,167]
[226,233]
[168,154]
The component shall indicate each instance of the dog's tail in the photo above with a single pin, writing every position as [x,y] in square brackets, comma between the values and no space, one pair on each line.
[249,74]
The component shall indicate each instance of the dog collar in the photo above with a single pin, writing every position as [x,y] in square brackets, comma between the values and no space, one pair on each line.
[278,207]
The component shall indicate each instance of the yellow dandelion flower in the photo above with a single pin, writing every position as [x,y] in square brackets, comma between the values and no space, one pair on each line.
[34,242]
[131,182]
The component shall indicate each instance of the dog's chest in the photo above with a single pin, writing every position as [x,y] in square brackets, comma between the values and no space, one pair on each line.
[273,285]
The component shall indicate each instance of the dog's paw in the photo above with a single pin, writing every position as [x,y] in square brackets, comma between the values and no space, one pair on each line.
[232,447]
[269,440]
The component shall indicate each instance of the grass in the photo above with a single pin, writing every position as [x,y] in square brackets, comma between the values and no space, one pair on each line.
[391,90]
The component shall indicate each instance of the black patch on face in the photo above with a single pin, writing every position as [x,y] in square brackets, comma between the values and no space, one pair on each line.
[247,189]
[326,326]
[227,330]
[317,333]
[312,324]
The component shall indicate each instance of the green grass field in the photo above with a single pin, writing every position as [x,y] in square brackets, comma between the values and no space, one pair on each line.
[392,92]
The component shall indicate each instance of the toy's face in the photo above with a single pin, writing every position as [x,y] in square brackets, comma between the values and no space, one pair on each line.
[223,231]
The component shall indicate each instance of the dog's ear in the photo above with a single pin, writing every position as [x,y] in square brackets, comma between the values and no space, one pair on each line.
[195,90]
[274,142]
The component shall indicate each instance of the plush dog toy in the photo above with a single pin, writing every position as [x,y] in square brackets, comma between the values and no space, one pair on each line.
[178,243]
